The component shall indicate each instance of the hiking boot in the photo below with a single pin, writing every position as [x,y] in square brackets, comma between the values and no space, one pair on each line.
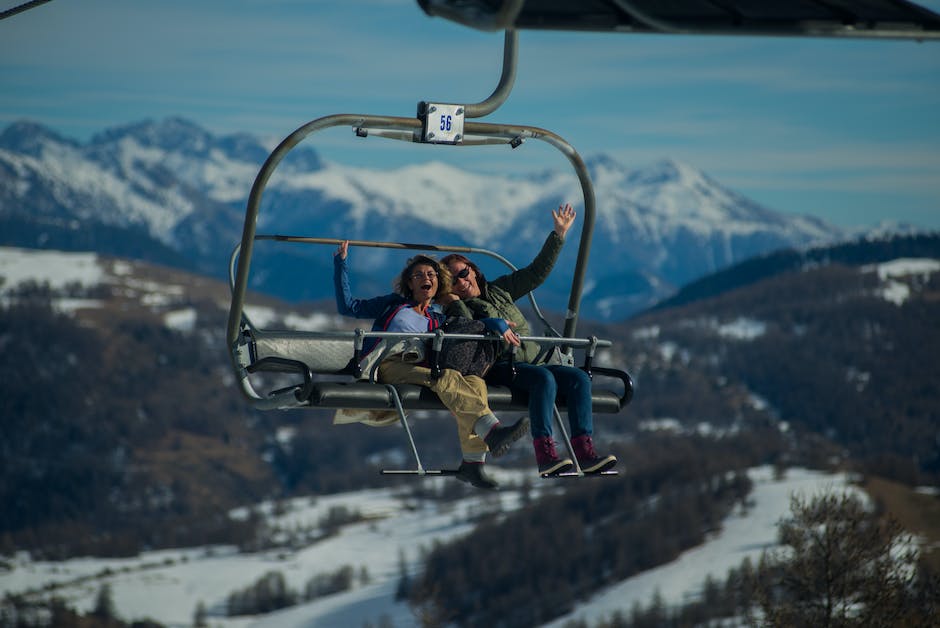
[588,459]
[501,438]
[473,473]
[547,459]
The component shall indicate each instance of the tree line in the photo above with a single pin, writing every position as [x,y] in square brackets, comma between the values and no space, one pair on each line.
[834,360]
[122,436]
[597,531]
[839,563]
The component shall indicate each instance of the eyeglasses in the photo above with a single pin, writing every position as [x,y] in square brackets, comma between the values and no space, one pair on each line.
[419,275]
[462,274]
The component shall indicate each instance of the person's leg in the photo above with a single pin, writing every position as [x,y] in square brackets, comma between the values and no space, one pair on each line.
[468,404]
[540,385]
[472,447]
[498,437]
[574,387]
[463,400]
[478,429]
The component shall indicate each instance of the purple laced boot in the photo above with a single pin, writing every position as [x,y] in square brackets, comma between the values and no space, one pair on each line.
[547,459]
[588,459]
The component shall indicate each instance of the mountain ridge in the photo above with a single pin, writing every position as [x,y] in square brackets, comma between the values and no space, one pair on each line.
[867,250]
[663,224]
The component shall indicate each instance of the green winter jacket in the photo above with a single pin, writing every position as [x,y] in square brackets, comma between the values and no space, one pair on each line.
[497,297]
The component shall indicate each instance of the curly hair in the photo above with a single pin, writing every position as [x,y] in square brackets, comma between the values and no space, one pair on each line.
[443,276]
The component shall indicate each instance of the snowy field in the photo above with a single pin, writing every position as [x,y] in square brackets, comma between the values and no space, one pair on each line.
[168,585]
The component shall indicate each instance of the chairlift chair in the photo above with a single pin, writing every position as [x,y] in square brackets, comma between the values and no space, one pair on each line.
[325,363]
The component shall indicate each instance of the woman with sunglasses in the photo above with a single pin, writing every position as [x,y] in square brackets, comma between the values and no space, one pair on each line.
[475,297]
[410,309]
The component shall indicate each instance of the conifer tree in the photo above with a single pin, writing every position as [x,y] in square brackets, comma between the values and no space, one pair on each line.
[840,565]
[104,603]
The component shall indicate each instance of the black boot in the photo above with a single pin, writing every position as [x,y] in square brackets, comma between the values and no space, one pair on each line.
[473,473]
[501,438]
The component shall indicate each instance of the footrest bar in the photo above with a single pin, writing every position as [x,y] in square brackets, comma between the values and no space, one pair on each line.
[575,474]
[418,472]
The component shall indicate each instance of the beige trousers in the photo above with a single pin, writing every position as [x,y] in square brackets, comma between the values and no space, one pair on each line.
[464,396]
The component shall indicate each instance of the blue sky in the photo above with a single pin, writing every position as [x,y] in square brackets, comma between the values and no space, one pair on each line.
[848,131]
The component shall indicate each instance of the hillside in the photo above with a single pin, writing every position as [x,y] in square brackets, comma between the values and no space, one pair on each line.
[837,344]
[828,366]
[139,431]
[121,427]
[869,250]
[342,560]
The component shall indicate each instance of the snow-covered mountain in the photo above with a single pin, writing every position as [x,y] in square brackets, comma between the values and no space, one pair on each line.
[177,189]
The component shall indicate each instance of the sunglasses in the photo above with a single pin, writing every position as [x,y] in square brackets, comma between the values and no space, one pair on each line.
[462,274]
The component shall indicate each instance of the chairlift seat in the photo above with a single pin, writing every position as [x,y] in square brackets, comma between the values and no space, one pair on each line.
[314,353]
[369,396]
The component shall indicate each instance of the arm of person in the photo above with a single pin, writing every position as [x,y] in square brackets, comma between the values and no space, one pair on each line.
[503,328]
[525,280]
[346,304]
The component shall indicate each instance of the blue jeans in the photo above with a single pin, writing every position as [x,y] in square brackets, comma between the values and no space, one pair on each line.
[543,383]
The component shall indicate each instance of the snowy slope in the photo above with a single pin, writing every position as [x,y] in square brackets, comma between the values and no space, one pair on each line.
[171,296]
[744,534]
[167,586]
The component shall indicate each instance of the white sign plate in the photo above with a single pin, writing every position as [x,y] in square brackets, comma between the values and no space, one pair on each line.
[443,123]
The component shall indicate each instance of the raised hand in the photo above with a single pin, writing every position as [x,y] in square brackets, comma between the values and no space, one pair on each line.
[343,250]
[563,218]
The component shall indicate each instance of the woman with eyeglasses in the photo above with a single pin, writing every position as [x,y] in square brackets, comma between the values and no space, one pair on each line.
[474,297]
[410,308]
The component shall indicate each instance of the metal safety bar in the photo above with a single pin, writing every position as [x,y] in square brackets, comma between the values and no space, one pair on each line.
[393,245]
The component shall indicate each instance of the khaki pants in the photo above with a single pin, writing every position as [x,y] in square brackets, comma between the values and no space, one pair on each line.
[464,396]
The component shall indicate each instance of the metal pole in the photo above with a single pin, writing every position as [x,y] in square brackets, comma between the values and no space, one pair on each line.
[506,80]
